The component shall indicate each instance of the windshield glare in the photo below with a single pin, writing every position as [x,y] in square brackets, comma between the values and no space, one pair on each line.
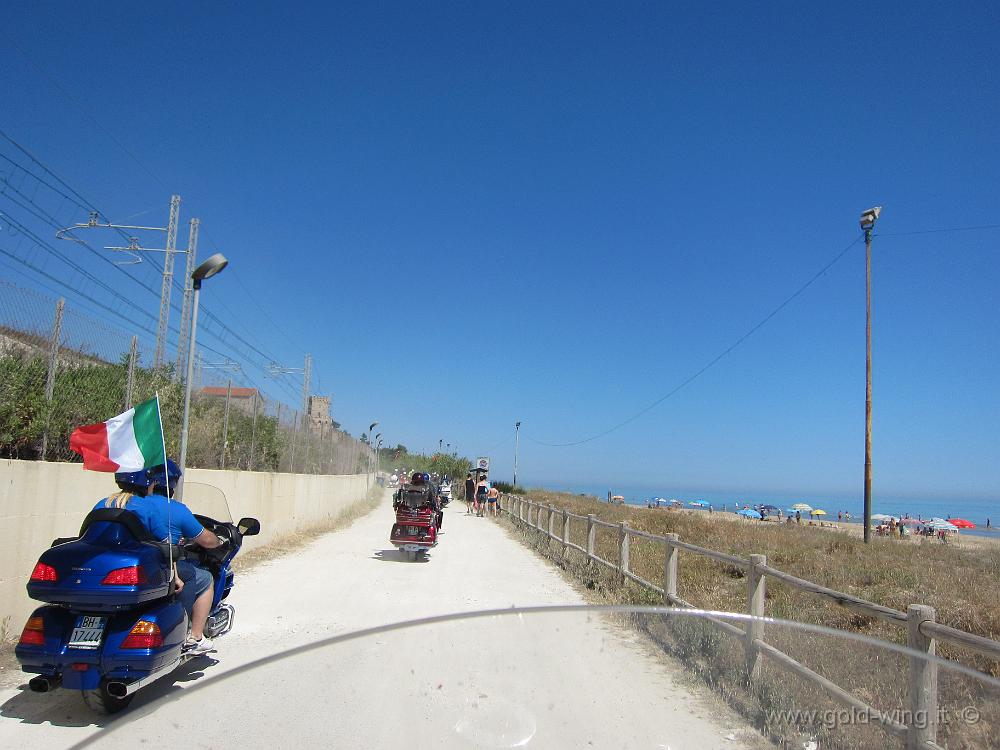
[205,500]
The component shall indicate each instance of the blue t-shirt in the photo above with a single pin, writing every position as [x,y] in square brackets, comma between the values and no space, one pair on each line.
[152,512]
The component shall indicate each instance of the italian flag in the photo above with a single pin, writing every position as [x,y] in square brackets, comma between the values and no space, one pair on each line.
[132,441]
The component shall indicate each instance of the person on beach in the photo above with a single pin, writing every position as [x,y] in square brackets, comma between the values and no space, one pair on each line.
[798,517]
[492,496]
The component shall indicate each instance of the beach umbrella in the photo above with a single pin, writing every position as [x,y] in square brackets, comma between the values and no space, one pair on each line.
[750,513]
[882,517]
[961,523]
[804,507]
[911,522]
[818,512]
[939,524]
[698,504]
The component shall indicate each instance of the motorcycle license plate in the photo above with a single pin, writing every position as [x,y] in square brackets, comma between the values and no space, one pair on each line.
[411,530]
[88,631]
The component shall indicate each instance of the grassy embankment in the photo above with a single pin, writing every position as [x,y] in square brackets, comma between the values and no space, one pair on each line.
[963,585]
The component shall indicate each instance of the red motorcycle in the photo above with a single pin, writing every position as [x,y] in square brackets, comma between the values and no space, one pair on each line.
[418,520]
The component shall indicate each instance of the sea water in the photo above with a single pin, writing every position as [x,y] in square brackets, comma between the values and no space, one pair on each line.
[976,510]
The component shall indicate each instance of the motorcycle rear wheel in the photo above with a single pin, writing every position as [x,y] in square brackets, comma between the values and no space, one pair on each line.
[101,702]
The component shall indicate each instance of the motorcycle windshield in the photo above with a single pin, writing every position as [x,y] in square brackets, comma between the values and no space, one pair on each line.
[206,500]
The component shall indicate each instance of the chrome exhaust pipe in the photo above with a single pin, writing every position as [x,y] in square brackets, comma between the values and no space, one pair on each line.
[120,689]
[117,689]
[44,684]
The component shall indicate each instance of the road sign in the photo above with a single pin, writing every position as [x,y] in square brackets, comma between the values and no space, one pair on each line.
[483,463]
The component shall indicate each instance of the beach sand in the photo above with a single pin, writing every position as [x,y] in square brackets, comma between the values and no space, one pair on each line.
[962,540]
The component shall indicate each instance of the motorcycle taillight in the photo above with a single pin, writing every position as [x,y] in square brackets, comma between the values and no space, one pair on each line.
[133,575]
[33,633]
[144,634]
[43,572]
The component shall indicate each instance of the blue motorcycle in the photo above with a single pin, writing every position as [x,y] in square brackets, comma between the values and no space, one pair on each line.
[112,623]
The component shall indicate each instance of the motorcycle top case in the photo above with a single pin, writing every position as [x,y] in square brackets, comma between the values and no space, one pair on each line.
[93,572]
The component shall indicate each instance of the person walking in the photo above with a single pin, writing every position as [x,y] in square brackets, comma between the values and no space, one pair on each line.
[492,497]
[470,493]
[482,491]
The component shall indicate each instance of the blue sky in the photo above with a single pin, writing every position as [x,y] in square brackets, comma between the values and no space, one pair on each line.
[472,214]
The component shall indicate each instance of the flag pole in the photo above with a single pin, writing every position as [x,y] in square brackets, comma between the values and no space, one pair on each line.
[166,474]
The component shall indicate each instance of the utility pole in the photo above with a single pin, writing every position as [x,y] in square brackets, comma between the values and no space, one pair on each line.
[225,425]
[517,428]
[133,250]
[182,338]
[306,382]
[274,370]
[168,280]
[868,219]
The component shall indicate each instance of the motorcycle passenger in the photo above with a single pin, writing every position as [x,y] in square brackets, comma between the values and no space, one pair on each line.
[134,486]
[196,596]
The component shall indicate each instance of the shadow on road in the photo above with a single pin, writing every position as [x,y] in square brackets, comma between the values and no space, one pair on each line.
[395,555]
[65,708]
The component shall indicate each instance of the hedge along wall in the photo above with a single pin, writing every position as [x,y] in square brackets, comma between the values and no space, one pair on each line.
[41,501]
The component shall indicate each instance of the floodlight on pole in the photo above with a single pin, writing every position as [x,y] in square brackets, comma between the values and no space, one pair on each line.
[867,221]
[206,270]
[517,428]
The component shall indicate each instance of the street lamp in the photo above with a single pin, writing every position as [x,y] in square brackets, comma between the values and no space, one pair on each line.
[868,219]
[206,270]
[517,427]
[368,476]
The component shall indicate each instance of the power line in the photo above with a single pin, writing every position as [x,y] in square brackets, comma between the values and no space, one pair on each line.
[939,231]
[690,379]
[79,105]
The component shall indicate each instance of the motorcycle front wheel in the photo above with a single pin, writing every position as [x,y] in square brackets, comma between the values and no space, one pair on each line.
[102,702]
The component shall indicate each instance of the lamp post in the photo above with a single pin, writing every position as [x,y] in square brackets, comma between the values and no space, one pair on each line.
[868,219]
[368,475]
[206,270]
[517,428]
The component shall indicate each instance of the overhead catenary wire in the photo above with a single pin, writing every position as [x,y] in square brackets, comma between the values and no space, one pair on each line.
[79,105]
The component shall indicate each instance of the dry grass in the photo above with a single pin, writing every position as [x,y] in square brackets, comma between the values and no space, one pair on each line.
[962,584]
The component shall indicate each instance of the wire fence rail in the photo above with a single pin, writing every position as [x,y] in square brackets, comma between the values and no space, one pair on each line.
[922,631]
[61,368]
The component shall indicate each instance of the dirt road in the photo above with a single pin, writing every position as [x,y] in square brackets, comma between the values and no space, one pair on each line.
[537,680]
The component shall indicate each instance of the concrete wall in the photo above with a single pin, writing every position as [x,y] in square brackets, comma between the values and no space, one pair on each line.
[41,500]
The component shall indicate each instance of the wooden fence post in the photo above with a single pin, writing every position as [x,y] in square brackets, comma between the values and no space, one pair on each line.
[552,518]
[591,534]
[565,533]
[520,509]
[756,589]
[623,549]
[923,683]
[670,570]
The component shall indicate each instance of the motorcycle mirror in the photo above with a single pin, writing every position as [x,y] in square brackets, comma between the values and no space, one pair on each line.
[249,526]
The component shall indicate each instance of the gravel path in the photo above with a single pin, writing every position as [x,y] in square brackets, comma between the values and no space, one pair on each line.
[542,681]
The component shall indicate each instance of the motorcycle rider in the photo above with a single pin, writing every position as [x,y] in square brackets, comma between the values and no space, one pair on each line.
[184,526]
[146,494]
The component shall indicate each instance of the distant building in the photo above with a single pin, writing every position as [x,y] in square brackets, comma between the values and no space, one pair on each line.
[319,413]
[243,399]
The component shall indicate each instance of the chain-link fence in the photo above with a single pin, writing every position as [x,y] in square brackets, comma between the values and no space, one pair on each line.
[60,369]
